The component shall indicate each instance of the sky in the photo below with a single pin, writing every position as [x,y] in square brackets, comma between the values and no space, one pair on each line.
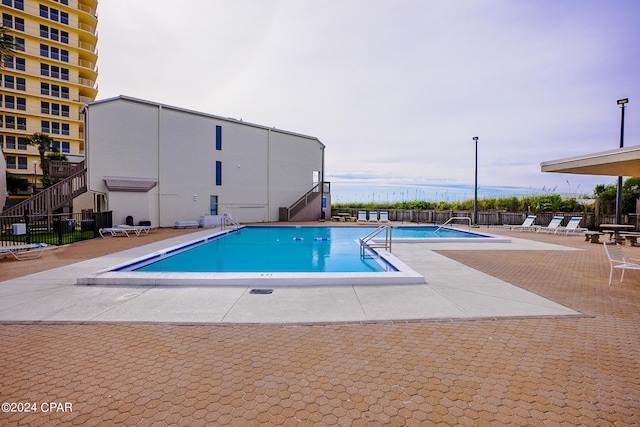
[396,89]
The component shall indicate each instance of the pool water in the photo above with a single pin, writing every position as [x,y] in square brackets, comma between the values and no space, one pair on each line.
[276,249]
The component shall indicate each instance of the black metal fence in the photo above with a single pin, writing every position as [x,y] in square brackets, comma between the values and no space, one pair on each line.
[56,229]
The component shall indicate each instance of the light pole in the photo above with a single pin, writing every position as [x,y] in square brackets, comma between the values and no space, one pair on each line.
[475,187]
[35,163]
[621,103]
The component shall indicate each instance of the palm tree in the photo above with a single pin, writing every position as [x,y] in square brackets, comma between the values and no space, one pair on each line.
[7,45]
[43,142]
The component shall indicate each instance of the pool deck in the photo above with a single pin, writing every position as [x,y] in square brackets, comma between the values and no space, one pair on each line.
[525,333]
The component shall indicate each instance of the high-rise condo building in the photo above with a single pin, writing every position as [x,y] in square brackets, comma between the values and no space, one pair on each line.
[50,76]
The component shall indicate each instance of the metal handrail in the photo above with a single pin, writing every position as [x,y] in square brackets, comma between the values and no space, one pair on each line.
[364,241]
[451,219]
[227,218]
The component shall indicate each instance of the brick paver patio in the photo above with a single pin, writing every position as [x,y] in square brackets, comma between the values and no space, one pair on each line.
[518,371]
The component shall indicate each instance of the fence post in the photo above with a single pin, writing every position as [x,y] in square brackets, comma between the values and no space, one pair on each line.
[27,226]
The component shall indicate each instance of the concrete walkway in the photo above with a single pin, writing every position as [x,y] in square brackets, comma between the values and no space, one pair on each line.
[452,291]
[518,371]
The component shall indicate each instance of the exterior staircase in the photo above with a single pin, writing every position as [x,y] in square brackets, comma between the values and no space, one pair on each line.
[54,197]
[307,207]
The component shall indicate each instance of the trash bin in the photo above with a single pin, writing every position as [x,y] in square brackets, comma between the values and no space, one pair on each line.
[87,224]
[129,220]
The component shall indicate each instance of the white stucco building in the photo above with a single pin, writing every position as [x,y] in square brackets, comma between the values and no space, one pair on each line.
[164,164]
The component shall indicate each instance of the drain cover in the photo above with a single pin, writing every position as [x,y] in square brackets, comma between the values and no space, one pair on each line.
[261,291]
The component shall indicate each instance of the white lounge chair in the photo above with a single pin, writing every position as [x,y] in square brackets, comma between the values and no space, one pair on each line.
[24,252]
[384,216]
[527,224]
[573,226]
[553,226]
[618,260]
[373,216]
[362,216]
[124,230]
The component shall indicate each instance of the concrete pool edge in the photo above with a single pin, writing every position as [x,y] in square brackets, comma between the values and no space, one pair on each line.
[114,275]
[111,276]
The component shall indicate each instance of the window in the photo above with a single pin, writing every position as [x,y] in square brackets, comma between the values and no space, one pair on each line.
[18,4]
[19,43]
[22,123]
[22,143]
[11,142]
[9,82]
[17,63]
[65,128]
[9,122]
[63,147]
[44,88]
[44,108]
[218,138]
[45,126]
[65,110]
[22,163]
[21,104]
[218,173]
[11,162]
[22,84]
[10,21]
[44,50]
[9,101]
[213,205]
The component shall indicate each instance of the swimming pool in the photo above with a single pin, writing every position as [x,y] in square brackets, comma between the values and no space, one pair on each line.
[435,234]
[273,249]
[276,255]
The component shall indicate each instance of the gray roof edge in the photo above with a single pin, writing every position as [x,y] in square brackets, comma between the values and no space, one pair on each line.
[200,113]
[593,155]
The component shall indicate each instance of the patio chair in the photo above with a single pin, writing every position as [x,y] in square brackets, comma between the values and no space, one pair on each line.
[362,216]
[384,216]
[373,216]
[618,260]
[24,252]
[553,225]
[527,224]
[573,226]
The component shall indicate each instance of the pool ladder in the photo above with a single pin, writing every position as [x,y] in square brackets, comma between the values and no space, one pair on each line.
[226,220]
[367,242]
[453,218]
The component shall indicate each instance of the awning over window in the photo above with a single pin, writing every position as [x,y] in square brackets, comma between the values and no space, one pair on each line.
[129,184]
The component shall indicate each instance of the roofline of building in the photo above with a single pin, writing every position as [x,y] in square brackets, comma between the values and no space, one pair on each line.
[199,113]
[618,162]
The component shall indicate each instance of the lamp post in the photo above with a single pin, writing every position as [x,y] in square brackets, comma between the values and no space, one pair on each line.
[621,103]
[475,187]
[35,163]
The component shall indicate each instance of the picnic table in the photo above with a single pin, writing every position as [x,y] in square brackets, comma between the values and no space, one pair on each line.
[616,229]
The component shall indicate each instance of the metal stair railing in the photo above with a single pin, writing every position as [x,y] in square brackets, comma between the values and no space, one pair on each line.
[367,242]
[54,197]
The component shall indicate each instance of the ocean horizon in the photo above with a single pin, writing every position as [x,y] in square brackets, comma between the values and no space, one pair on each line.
[362,192]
